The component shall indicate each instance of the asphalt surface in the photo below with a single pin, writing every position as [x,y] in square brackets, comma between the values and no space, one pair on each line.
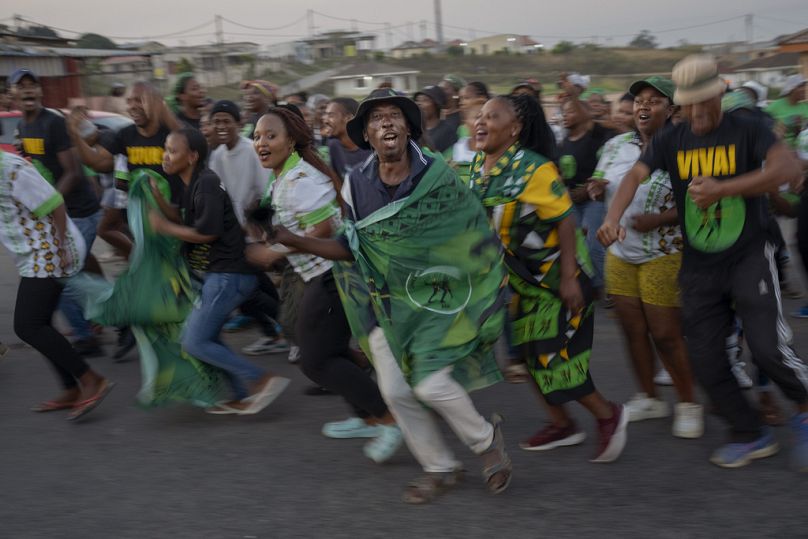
[179,473]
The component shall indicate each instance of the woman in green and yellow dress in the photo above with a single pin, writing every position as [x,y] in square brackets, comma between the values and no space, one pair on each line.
[548,264]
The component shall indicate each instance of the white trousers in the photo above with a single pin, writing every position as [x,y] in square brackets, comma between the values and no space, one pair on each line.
[441,393]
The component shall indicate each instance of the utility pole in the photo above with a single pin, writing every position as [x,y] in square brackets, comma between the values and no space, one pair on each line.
[422,25]
[749,20]
[438,23]
[310,21]
[220,47]
[389,32]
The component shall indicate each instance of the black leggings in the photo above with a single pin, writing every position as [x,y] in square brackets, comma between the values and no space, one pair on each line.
[36,303]
[263,305]
[323,335]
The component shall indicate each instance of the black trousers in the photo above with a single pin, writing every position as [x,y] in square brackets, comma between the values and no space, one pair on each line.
[802,230]
[263,305]
[711,296]
[36,302]
[323,334]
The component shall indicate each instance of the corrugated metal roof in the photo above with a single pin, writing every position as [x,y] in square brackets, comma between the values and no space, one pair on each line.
[90,53]
[51,66]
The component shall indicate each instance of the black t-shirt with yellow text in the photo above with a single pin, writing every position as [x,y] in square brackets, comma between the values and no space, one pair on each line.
[737,146]
[42,140]
[144,152]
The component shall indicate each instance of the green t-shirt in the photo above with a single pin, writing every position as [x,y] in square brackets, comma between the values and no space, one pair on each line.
[793,117]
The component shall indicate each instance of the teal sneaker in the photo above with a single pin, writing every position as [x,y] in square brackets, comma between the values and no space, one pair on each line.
[353,427]
[799,455]
[736,455]
[237,323]
[802,312]
[384,446]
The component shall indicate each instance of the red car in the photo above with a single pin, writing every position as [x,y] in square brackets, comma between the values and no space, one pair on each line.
[10,119]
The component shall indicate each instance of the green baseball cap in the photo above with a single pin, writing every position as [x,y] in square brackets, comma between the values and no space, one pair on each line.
[660,84]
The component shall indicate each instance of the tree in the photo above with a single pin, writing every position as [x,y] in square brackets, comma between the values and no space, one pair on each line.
[563,47]
[455,50]
[185,66]
[38,31]
[644,40]
[95,41]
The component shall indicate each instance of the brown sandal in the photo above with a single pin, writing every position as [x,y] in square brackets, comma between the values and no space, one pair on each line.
[426,488]
[503,464]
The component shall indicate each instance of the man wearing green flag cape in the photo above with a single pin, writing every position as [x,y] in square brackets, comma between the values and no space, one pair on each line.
[424,291]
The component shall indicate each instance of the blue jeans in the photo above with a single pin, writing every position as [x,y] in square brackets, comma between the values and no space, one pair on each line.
[221,294]
[68,303]
[590,217]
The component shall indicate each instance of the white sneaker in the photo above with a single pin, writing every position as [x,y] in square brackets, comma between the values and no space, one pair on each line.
[642,407]
[266,345]
[739,370]
[688,420]
[663,378]
[294,354]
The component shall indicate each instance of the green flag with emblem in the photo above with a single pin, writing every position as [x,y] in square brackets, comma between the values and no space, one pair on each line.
[428,271]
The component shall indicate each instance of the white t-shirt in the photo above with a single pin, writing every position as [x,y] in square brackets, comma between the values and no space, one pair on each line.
[242,175]
[27,202]
[802,145]
[654,195]
[302,197]
[461,152]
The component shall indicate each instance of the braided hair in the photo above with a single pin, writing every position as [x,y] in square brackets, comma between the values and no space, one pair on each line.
[300,133]
[536,134]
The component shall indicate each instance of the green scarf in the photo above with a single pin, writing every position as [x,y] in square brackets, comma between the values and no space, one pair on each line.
[428,270]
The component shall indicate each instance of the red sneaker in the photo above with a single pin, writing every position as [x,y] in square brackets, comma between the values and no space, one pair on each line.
[611,435]
[552,436]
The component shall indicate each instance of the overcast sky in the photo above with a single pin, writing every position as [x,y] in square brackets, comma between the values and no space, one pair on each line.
[613,22]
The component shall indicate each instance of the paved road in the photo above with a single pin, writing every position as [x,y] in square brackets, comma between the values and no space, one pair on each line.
[179,473]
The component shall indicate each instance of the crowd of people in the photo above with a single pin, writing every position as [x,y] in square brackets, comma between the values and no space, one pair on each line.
[405,251]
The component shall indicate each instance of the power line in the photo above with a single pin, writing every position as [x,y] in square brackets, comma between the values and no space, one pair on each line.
[172,34]
[348,20]
[252,34]
[298,20]
[782,21]
[568,36]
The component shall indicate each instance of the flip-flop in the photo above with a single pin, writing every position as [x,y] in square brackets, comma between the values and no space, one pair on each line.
[221,408]
[85,407]
[52,406]
[271,391]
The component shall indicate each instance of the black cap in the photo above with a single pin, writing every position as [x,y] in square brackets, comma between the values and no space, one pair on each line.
[226,106]
[20,74]
[435,94]
[412,113]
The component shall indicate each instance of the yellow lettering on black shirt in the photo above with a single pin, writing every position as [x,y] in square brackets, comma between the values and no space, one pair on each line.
[144,155]
[34,146]
[714,161]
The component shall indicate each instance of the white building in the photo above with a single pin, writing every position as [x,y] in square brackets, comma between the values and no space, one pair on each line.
[770,71]
[360,79]
[213,65]
[502,43]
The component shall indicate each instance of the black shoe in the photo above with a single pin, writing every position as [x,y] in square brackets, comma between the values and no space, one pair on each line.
[316,391]
[126,341]
[88,347]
